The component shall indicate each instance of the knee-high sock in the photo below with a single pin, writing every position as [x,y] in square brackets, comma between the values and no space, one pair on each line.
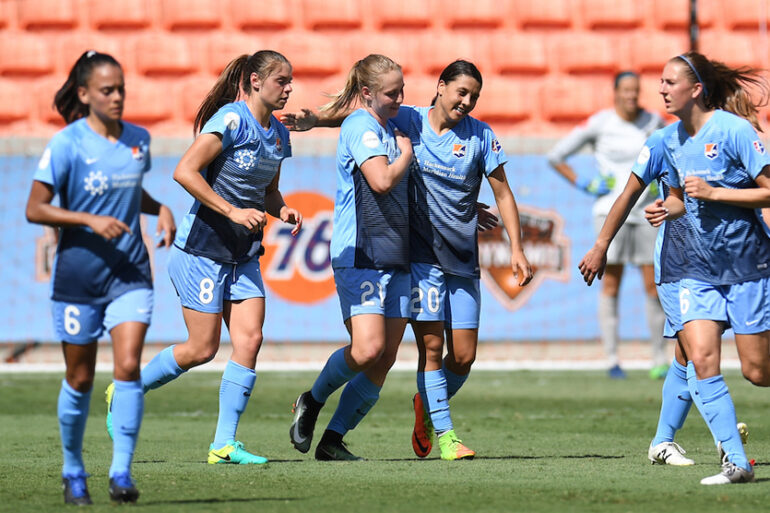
[433,390]
[358,397]
[655,321]
[234,393]
[161,369]
[675,405]
[716,406]
[608,327]
[453,381]
[335,373]
[127,411]
[72,410]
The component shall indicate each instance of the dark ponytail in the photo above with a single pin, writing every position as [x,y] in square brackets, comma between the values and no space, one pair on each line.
[66,100]
[457,69]
[237,76]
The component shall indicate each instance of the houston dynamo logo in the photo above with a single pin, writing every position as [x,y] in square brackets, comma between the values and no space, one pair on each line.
[545,246]
[299,269]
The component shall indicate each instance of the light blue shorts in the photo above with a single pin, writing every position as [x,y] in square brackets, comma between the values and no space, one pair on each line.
[83,323]
[743,305]
[668,294]
[437,296]
[204,284]
[372,291]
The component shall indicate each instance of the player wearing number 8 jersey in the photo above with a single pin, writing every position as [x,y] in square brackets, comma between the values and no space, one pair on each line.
[232,171]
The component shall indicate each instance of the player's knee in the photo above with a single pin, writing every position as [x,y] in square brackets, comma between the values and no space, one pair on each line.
[756,374]
[128,368]
[368,354]
[80,381]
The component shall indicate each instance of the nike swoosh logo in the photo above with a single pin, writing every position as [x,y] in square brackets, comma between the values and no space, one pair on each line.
[297,437]
[751,323]
[440,400]
[417,441]
[226,458]
[142,310]
[91,161]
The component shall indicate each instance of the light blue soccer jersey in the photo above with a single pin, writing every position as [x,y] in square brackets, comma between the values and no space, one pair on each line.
[444,188]
[371,230]
[91,174]
[725,244]
[250,158]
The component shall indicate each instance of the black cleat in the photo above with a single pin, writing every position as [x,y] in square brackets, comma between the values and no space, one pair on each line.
[332,448]
[122,489]
[305,411]
[76,490]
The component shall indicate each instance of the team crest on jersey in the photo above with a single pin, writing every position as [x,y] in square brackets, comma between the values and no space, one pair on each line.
[711,151]
[496,146]
[137,153]
[278,144]
[458,150]
[96,183]
[759,147]
[246,159]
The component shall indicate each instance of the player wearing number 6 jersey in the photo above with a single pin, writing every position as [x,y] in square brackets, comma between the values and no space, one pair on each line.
[101,277]
[232,171]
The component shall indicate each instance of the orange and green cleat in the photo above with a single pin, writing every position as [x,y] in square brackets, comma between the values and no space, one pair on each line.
[452,447]
[422,435]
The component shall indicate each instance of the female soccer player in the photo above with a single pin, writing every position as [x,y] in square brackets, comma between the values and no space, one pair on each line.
[454,153]
[617,134]
[101,278]
[726,273]
[232,171]
[369,252]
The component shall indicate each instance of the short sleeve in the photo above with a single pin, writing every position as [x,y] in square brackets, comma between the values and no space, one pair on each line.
[364,138]
[749,149]
[225,122]
[492,150]
[651,162]
[55,163]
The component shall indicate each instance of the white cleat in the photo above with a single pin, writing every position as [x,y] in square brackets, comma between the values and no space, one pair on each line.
[668,453]
[731,474]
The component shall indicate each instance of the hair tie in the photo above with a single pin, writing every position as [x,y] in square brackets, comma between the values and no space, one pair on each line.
[697,75]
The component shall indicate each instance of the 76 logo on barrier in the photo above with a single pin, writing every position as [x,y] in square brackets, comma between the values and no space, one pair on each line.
[298,269]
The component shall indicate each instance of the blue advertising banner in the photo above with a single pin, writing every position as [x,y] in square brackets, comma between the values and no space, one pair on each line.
[302,305]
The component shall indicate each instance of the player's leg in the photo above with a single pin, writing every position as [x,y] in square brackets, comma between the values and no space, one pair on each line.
[656,319]
[608,318]
[749,316]
[431,387]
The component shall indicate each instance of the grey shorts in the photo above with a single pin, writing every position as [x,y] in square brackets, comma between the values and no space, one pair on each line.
[633,244]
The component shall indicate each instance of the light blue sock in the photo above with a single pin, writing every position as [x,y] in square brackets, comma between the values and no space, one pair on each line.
[127,411]
[72,410]
[717,409]
[453,381]
[691,385]
[357,398]
[335,373]
[161,369]
[433,391]
[675,405]
[234,392]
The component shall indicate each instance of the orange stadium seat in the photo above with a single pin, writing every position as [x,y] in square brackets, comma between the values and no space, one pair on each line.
[331,14]
[745,14]
[308,93]
[518,53]
[483,14]
[396,14]
[505,100]
[734,49]
[24,54]
[573,99]
[542,13]
[437,49]
[15,101]
[675,14]
[195,90]
[651,50]
[245,16]
[126,14]
[71,45]
[584,52]
[223,48]
[157,53]
[603,14]
[309,54]
[7,12]
[46,14]
[357,45]
[649,97]
[148,100]
[45,89]
[191,14]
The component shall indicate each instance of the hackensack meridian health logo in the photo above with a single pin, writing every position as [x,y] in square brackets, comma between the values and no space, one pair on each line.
[298,269]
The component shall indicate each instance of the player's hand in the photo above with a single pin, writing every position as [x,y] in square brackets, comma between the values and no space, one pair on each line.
[487,220]
[592,265]
[404,143]
[292,216]
[300,121]
[697,188]
[656,213]
[166,227]
[108,226]
[521,268]
[597,185]
[251,218]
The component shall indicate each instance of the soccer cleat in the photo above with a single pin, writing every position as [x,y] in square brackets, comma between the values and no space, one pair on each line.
[422,435]
[122,489]
[329,450]
[668,453]
[76,490]
[305,416]
[743,430]
[615,372]
[731,474]
[108,397]
[659,371]
[234,453]
[452,447]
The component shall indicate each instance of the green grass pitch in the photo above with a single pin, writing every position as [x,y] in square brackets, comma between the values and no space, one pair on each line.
[545,441]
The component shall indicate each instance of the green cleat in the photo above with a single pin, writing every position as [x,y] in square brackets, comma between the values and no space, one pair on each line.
[452,447]
[659,372]
[234,453]
[108,397]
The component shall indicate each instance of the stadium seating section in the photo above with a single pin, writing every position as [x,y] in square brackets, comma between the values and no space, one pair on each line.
[546,63]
